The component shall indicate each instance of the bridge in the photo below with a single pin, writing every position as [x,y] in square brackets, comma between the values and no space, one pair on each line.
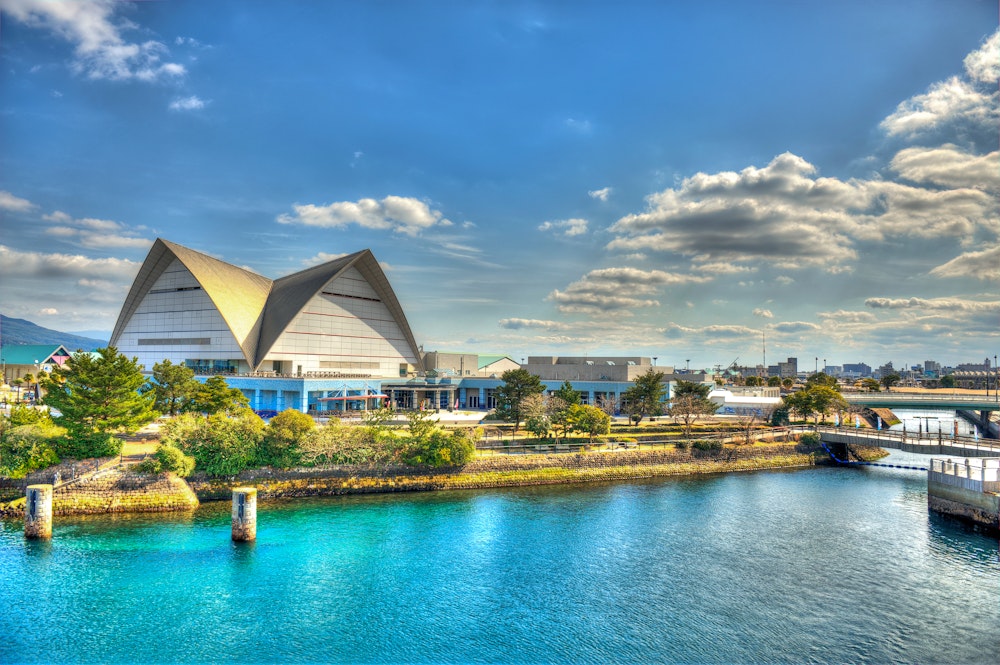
[914,442]
[965,406]
[950,402]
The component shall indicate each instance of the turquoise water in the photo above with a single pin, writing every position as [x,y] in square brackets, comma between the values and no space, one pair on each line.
[818,565]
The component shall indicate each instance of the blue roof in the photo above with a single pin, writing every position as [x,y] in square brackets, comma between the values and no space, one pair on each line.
[31,354]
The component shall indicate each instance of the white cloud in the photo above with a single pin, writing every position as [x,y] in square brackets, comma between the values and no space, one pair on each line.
[983,265]
[100,49]
[778,214]
[13,203]
[600,194]
[955,101]
[322,258]
[763,313]
[934,304]
[983,65]
[795,327]
[609,289]
[192,103]
[845,316]
[73,266]
[949,166]
[404,215]
[569,227]
[579,126]
[521,324]
[709,334]
[784,216]
[95,233]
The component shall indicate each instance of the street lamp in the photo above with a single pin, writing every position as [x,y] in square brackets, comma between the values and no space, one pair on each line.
[654,361]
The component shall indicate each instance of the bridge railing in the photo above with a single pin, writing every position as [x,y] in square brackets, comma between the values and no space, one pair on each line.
[868,436]
[979,474]
[920,398]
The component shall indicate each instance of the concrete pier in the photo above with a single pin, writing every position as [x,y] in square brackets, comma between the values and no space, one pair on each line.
[244,514]
[968,490]
[38,512]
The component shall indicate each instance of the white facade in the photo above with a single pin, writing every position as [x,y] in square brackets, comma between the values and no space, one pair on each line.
[339,319]
[178,320]
[344,328]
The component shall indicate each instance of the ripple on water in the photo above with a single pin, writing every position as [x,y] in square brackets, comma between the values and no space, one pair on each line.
[822,565]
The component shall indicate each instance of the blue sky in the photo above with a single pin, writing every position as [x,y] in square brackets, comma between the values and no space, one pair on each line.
[658,178]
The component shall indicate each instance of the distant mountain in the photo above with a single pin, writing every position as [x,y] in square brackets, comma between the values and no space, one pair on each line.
[19,331]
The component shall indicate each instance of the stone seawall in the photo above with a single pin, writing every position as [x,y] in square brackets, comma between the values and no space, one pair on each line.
[507,471]
[116,490]
[121,491]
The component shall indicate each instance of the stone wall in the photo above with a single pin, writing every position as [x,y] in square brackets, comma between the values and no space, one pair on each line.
[506,471]
[121,491]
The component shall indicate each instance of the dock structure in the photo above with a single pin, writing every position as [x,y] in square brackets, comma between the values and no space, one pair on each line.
[967,489]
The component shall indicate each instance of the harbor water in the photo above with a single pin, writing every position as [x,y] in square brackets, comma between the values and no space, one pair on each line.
[821,565]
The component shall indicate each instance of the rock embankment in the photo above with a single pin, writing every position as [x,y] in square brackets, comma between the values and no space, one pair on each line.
[116,490]
[119,490]
[508,471]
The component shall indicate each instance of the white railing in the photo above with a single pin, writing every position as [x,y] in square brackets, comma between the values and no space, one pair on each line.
[978,474]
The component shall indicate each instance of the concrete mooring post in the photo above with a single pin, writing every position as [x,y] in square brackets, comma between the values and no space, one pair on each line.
[38,512]
[244,514]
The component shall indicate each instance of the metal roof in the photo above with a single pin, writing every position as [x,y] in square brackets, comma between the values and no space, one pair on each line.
[31,354]
[257,309]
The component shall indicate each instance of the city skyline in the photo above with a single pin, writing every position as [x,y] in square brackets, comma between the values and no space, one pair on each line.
[536,179]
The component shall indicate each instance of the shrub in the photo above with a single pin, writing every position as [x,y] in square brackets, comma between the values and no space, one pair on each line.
[336,443]
[283,438]
[438,448]
[809,439]
[27,448]
[701,444]
[167,458]
[220,445]
[85,444]
[681,445]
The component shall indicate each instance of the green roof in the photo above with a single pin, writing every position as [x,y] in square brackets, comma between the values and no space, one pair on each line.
[489,360]
[31,354]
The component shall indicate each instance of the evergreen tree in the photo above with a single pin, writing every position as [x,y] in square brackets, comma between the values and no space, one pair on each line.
[645,397]
[690,400]
[215,396]
[173,387]
[98,395]
[517,385]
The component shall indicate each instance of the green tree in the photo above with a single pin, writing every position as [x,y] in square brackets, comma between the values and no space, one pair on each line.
[215,396]
[870,385]
[774,381]
[753,381]
[559,405]
[98,396]
[173,386]
[799,402]
[283,438]
[439,448]
[787,383]
[645,397]
[167,458]
[337,443]
[589,420]
[221,445]
[27,442]
[517,385]
[822,379]
[889,380]
[689,402]
[948,381]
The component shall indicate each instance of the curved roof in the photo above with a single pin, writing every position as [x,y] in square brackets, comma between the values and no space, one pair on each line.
[257,309]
